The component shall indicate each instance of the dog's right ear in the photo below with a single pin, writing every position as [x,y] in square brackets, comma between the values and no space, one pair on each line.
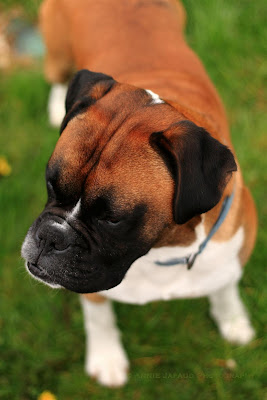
[200,165]
[85,89]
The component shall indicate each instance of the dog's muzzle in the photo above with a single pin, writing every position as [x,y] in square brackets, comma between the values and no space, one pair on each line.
[54,251]
[65,254]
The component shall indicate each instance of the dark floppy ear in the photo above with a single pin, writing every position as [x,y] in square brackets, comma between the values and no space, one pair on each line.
[85,89]
[201,167]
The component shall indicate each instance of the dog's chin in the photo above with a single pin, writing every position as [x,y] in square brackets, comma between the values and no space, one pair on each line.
[90,286]
[95,284]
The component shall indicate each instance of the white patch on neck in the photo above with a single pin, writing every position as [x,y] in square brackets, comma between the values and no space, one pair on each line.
[214,268]
[155,97]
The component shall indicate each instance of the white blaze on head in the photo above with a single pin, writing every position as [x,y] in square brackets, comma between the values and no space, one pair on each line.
[155,97]
[74,212]
[62,226]
[69,216]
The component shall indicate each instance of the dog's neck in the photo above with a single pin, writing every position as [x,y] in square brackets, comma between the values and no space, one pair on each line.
[179,235]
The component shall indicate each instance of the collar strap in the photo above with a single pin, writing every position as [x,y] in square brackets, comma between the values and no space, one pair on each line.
[189,260]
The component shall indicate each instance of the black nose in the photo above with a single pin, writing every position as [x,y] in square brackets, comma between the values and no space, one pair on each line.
[53,236]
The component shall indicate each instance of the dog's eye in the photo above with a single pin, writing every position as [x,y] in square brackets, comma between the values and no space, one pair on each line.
[112,221]
[109,221]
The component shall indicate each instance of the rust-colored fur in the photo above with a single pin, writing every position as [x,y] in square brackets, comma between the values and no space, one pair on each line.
[141,42]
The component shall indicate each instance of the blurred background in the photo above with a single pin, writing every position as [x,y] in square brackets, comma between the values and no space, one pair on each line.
[174,347]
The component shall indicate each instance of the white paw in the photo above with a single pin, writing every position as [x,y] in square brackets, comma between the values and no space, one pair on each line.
[56,104]
[109,367]
[237,330]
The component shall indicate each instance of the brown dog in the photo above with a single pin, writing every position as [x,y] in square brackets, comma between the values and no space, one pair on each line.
[139,182]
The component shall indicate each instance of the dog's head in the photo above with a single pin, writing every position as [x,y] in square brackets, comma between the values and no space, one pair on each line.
[126,166]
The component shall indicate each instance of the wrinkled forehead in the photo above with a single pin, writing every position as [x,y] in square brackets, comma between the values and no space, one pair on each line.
[97,122]
[109,143]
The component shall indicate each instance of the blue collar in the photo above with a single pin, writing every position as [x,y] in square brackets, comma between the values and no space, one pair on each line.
[189,260]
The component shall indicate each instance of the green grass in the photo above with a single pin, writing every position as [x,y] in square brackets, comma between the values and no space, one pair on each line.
[173,346]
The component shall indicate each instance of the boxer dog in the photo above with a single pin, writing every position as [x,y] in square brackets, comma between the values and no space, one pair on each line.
[146,200]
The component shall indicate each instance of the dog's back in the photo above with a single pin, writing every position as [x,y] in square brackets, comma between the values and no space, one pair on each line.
[140,42]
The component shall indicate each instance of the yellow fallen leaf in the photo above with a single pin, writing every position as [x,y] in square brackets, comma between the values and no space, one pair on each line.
[5,168]
[47,396]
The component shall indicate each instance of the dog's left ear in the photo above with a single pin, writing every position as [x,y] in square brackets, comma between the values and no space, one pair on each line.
[85,89]
[201,167]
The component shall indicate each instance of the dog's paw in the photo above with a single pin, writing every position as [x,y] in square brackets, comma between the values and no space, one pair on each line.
[109,366]
[237,330]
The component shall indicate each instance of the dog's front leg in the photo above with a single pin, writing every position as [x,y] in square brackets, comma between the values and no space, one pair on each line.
[230,315]
[106,359]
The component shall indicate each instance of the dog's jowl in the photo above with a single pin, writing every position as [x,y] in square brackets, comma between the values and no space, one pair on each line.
[146,200]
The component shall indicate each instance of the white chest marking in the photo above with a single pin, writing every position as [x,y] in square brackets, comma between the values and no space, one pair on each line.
[213,269]
[155,97]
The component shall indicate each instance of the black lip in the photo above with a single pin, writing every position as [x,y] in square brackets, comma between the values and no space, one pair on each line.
[78,287]
[39,272]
